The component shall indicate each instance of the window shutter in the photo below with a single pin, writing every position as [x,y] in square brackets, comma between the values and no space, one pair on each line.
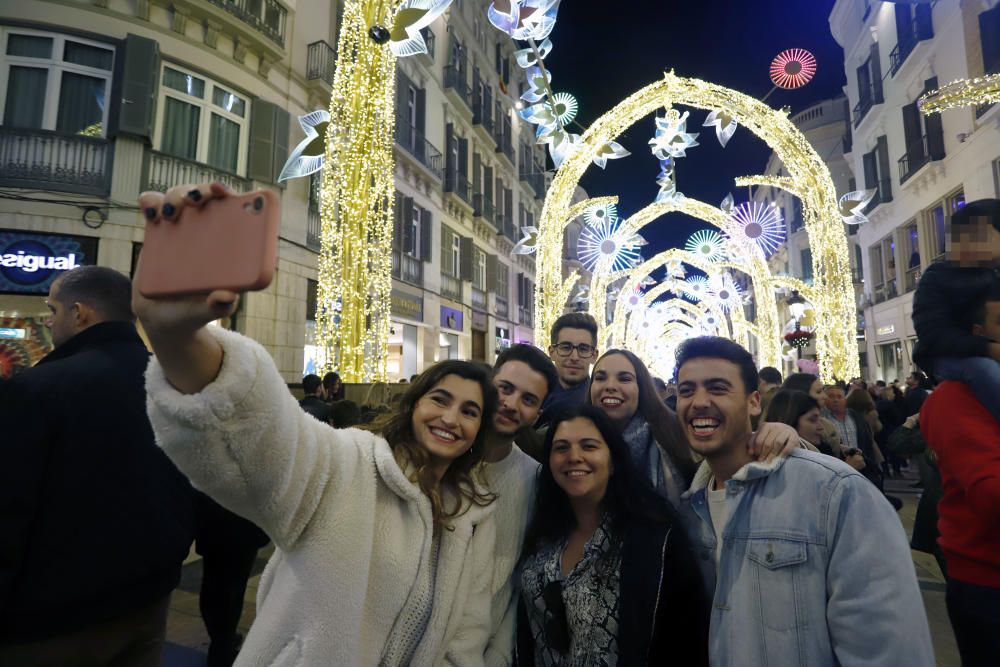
[446,263]
[477,174]
[904,21]
[882,150]
[989,37]
[282,122]
[421,111]
[876,66]
[397,222]
[871,170]
[407,224]
[449,159]
[520,289]
[263,122]
[912,133]
[402,89]
[425,235]
[933,126]
[463,158]
[491,272]
[466,258]
[488,183]
[925,25]
[508,206]
[139,78]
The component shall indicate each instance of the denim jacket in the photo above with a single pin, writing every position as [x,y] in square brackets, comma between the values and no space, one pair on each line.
[815,569]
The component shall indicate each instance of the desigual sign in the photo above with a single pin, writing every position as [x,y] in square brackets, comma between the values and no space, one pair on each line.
[30,262]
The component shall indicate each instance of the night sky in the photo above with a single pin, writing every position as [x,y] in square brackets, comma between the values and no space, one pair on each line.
[605,51]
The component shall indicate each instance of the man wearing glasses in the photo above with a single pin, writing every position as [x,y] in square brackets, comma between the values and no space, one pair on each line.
[573,349]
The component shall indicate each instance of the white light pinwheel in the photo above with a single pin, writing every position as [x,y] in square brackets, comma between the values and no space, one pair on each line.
[599,213]
[307,157]
[603,241]
[759,223]
[528,243]
[412,17]
[707,244]
[852,206]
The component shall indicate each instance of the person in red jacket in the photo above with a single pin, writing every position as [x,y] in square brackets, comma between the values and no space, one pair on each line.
[966,439]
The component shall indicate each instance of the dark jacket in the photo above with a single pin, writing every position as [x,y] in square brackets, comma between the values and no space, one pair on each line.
[317,407]
[663,612]
[96,520]
[910,443]
[945,298]
[888,414]
[562,396]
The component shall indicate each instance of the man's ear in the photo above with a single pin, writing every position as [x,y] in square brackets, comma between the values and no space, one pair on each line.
[977,329]
[753,403]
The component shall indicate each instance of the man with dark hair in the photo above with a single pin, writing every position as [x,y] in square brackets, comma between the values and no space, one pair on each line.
[966,439]
[784,542]
[97,521]
[768,383]
[523,376]
[573,348]
[345,414]
[314,401]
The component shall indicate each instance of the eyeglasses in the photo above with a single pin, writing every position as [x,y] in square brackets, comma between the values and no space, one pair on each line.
[585,351]
[556,626]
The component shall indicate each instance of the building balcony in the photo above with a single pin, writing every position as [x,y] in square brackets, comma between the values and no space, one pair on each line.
[163,171]
[268,17]
[524,316]
[320,62]
[912,278]
[535,178]
[981,109]
[413,142]
[459,185]
[500,308]
[917,155]
[505,226]
[454,80]
[503,135]
[886,291]
[483,208]
[482,111]
[867,99]
[451,287]
[314,230]
[907,41]
[408,269]
[478,299]
[45,160]
[883,193]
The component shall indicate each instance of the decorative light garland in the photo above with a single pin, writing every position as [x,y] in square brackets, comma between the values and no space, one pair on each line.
[962,93]
[355,263]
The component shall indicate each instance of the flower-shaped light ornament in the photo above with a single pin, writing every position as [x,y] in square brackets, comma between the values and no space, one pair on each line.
[412,17]
[675,268]
[727,204]
[307,157]
[529,243]
[633,297]
[726,292]
[561,143]
[668,186]
[538,82]
[524,19]
[603,242]
[598,213]
[853,203]
[526,57]
[725,125]
[759,223]
[672,138]
[707,244]
[610,151]
[695,287]
[792,68]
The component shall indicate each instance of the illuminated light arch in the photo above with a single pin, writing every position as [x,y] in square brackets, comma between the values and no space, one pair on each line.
[836,317]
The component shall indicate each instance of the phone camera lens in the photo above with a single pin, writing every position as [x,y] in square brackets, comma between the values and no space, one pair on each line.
[258,204]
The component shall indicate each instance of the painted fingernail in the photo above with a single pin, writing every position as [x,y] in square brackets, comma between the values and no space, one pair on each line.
[194,195]
[169,210]
[150,213]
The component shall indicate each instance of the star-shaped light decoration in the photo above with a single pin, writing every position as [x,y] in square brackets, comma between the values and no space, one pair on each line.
[668,186]
[412,17]
[524,19]
[725,125]
[853,204]
[675,268]
[727,204]
[307,157]
[538,82]
[672,138]
[726,292]
[540,114]
[707,244]
[610,151]
[696,287]
[760,223]
[529,243]
[561,143]
[633,297]
[526,57]
[599,213]
[603,241]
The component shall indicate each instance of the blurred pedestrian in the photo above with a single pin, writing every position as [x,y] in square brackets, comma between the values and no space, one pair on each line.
[314,402]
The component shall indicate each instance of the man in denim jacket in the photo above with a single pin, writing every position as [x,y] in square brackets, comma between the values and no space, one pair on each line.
[806,561]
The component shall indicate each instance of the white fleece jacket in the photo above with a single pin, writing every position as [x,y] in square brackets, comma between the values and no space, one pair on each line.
[351,530]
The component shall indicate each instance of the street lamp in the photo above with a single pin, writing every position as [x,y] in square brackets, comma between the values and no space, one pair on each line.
[798,339]
[797,305]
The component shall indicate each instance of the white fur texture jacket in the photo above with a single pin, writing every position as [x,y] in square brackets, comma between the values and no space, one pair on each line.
[352,532]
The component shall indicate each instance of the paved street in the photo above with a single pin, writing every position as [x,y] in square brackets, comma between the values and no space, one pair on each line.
[187,640]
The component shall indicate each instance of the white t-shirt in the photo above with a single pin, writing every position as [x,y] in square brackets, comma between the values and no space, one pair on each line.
[718,508]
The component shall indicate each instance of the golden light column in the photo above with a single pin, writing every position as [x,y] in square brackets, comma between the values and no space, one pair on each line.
[835,310]
[355,263]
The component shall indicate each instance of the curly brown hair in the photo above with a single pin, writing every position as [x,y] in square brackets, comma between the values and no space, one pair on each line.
[458,481]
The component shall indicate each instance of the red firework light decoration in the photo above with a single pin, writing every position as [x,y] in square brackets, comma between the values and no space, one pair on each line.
[792,68]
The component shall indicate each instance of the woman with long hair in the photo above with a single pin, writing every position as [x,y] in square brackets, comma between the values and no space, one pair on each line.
[801,412]
[608,575]
[622,387]
[384,541]
[807,383]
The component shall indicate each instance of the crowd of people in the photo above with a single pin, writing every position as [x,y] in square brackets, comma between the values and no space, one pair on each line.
[554,509]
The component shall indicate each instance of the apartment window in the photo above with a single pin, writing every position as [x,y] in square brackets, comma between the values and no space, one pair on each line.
[450,252]
[479,270]
[859,271]
[806,258]
[202,120]
[411,105]
[989,36]
[55,82]
[877,268]
[938,223]
[876,166]
[429,40]
[869,76]
[503,280]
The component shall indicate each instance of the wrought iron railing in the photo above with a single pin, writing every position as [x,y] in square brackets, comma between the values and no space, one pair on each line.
[478,299]
[484,208]
[506,226]
[912,278]
[524,316]
[407,268]
[917,155]
[267,17]
[460,185]
[454,78]
[482,108]
[45,160]
[883,193]
[503,135]
[866,100]
[165,171]
[451,287]
[321,60]
[501,307]
[414,142]
[906,41]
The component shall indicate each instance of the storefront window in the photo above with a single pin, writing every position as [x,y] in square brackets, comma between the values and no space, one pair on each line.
[890,358]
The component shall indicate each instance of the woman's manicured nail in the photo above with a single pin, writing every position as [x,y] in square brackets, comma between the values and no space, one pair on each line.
[169,210]
[150,213]
[194,195]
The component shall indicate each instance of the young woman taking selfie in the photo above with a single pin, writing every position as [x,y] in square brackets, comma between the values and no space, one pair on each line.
[384,541]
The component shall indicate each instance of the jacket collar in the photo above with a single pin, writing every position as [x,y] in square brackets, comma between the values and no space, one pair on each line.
[103,333]
[749,472]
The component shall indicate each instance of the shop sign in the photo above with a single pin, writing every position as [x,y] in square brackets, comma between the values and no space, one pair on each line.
[406,305]
[29,263]
[503,339]
[886,330]
[7,332]
[451,318]
[479,321]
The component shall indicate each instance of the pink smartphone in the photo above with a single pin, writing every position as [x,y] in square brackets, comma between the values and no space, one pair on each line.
[229,243]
